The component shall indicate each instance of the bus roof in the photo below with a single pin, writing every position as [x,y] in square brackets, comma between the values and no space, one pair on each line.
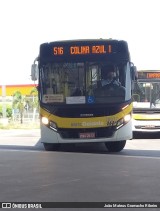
[85,40]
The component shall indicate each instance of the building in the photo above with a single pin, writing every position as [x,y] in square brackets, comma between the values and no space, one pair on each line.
[25,89]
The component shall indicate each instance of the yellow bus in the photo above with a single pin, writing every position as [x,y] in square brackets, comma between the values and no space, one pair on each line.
[146,101]
[74,106]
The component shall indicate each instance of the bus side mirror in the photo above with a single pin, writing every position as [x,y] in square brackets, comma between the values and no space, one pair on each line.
[34,72]
[134,73]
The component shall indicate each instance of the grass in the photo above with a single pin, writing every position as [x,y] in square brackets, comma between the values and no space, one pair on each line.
[16,125]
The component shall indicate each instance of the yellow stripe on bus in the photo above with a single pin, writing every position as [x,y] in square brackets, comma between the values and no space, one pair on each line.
[146,116]
[90,122]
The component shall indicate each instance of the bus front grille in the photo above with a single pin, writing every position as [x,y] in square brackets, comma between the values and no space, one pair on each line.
[151,127]
[75,133]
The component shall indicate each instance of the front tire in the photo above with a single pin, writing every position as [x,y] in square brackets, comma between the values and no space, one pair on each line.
[115,146]
[51,147]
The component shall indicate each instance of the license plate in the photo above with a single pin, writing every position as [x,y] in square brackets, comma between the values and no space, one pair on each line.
[87,135]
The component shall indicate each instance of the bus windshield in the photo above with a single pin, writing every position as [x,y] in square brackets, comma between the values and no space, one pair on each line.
[146,95]
[83,83]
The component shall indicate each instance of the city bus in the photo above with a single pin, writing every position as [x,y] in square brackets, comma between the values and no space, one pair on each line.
[146,101]
[74,106]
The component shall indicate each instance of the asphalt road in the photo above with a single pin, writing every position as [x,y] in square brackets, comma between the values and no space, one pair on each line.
[84,173]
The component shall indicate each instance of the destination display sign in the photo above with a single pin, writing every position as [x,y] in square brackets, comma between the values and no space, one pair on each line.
[82,49]
[75,51]
[149,75]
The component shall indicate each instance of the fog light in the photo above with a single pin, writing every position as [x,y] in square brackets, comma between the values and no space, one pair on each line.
[120,123]
[53,125]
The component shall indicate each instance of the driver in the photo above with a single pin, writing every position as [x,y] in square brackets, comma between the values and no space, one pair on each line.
[109,76]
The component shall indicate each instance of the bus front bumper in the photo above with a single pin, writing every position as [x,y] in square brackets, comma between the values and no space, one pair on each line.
[146,125]
[50,136]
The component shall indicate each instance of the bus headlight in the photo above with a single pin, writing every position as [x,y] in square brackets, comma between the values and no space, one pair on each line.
[123,121]
[127,118]
[45,120]
[48,123]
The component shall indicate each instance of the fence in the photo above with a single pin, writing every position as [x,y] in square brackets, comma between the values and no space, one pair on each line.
[28,114]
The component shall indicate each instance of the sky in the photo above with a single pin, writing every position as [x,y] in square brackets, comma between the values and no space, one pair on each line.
[25,24]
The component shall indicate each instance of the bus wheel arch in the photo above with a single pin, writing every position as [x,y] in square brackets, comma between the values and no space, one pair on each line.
[115,146]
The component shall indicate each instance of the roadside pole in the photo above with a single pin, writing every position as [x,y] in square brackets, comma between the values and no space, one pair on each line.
[4,119]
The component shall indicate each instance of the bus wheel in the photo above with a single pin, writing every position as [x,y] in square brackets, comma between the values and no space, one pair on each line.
[51,147]
[116,146]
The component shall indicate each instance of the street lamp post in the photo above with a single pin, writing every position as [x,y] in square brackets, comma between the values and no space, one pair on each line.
[4,119]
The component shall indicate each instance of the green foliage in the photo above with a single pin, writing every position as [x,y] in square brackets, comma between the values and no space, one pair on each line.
[8,111]
[19,103]
[34,94]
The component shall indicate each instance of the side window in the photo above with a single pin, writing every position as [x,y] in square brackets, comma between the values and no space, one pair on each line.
[92,77]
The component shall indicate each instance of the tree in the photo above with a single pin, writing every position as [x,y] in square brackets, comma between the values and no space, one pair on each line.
[35,103]
[19,103]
